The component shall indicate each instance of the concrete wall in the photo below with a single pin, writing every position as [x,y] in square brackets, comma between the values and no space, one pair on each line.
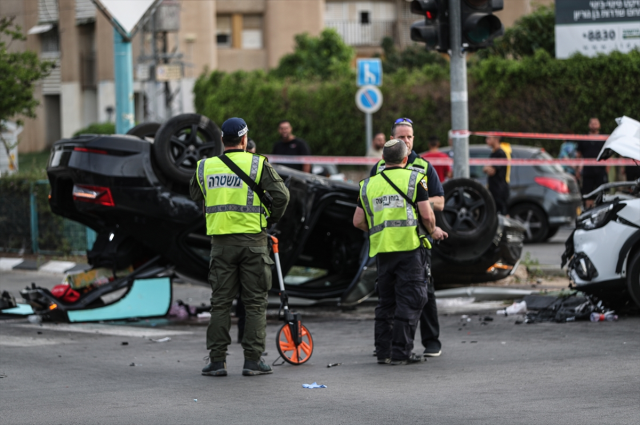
[230,60]
[198,36]
[283,19]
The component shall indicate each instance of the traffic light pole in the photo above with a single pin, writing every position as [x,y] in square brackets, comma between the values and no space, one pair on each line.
[459,95]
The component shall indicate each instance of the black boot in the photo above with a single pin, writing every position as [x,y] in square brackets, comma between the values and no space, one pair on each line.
[215,369]
[253,368]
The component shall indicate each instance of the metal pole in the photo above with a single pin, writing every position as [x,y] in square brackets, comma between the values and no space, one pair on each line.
[459,96]
[369,126]
[123,61]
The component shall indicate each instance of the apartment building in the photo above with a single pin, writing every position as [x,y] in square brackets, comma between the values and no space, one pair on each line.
[227,35]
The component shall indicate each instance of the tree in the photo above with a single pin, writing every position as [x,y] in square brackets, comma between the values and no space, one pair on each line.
[411,57]
[326,57]
[529,33]
[19,72]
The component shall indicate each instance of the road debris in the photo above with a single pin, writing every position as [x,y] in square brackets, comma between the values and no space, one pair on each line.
[132,364]
[515,308]
[314,385]
[165,339]
[125,343]
[334,364]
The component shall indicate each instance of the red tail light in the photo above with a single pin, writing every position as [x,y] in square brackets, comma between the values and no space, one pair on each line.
[554,184]
[93,194]
[89,150]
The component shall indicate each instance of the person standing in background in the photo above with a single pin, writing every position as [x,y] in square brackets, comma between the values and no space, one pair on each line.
[592,177]
[291,145]
[251,146]
[377,144]
[444,171]
[497,176]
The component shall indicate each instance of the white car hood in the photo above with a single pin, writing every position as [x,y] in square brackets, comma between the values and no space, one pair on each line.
[625,140]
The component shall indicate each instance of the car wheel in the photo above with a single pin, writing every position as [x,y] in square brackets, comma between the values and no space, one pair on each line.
[533,219]
[633,277]
[184,140]
[469,217]
[146,130]
[469,210]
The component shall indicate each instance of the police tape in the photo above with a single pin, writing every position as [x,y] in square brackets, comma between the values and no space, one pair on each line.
[541,136]
[355,160]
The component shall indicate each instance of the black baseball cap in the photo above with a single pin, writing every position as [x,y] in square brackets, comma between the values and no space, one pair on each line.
[234,127]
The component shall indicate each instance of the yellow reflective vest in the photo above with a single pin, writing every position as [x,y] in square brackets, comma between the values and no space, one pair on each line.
[393,223]
[231,207]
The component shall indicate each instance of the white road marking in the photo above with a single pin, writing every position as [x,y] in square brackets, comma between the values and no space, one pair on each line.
[100,329]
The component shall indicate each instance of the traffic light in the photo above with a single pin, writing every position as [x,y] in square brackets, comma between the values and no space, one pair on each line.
[434,30]
[479,25]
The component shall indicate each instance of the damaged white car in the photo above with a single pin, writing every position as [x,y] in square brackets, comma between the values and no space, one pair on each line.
[603,252]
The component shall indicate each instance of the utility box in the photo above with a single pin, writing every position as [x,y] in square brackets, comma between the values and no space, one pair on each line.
[9,160]
[166,17]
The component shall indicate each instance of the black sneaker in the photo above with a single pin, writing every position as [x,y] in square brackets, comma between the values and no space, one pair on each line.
[384,361]
[253,368]
[432,349]
[411,360]
[215,369]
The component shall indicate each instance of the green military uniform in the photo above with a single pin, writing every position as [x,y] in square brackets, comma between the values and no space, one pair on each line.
[240,258]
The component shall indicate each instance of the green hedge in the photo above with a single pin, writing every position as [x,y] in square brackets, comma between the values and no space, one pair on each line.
[534,94]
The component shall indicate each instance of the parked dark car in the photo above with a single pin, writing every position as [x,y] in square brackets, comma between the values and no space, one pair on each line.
[115,185]
[543,197]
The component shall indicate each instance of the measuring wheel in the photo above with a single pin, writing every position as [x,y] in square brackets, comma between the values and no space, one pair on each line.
[286,343]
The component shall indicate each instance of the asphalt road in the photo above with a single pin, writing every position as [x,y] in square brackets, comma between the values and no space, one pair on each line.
[499,373]
[549,252]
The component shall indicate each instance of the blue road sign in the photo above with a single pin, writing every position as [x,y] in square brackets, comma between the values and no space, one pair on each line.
[369,99]
[369,72]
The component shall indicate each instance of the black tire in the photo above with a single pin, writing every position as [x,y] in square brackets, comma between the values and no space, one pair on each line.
[469,217]
[552,232]
[469,210]
[182,141]
[633,277]
[534,220]
[146,130]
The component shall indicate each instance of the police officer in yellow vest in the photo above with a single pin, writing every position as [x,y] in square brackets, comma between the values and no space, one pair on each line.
[402,129]
[236,219]
[391,204]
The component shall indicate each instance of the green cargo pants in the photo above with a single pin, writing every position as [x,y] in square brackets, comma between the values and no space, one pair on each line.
[233,269]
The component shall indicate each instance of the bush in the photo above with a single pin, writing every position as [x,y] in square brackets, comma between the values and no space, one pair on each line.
[97,128]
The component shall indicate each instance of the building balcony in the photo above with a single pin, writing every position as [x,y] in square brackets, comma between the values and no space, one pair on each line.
[359,34]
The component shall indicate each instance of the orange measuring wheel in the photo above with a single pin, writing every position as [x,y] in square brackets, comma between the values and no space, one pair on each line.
[295,354]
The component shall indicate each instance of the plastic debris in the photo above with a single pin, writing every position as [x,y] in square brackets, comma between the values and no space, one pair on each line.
[608,316]
[515,308]
[334,364]
[165,339]
[314,385]
[195,399]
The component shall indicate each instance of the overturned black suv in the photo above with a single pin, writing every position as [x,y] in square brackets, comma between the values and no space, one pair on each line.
[132,190]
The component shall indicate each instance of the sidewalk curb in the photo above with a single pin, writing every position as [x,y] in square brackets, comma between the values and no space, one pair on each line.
[50,267]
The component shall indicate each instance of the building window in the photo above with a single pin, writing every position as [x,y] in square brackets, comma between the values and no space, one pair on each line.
[365,17]
[223,31]
[252,32]
[50,41]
